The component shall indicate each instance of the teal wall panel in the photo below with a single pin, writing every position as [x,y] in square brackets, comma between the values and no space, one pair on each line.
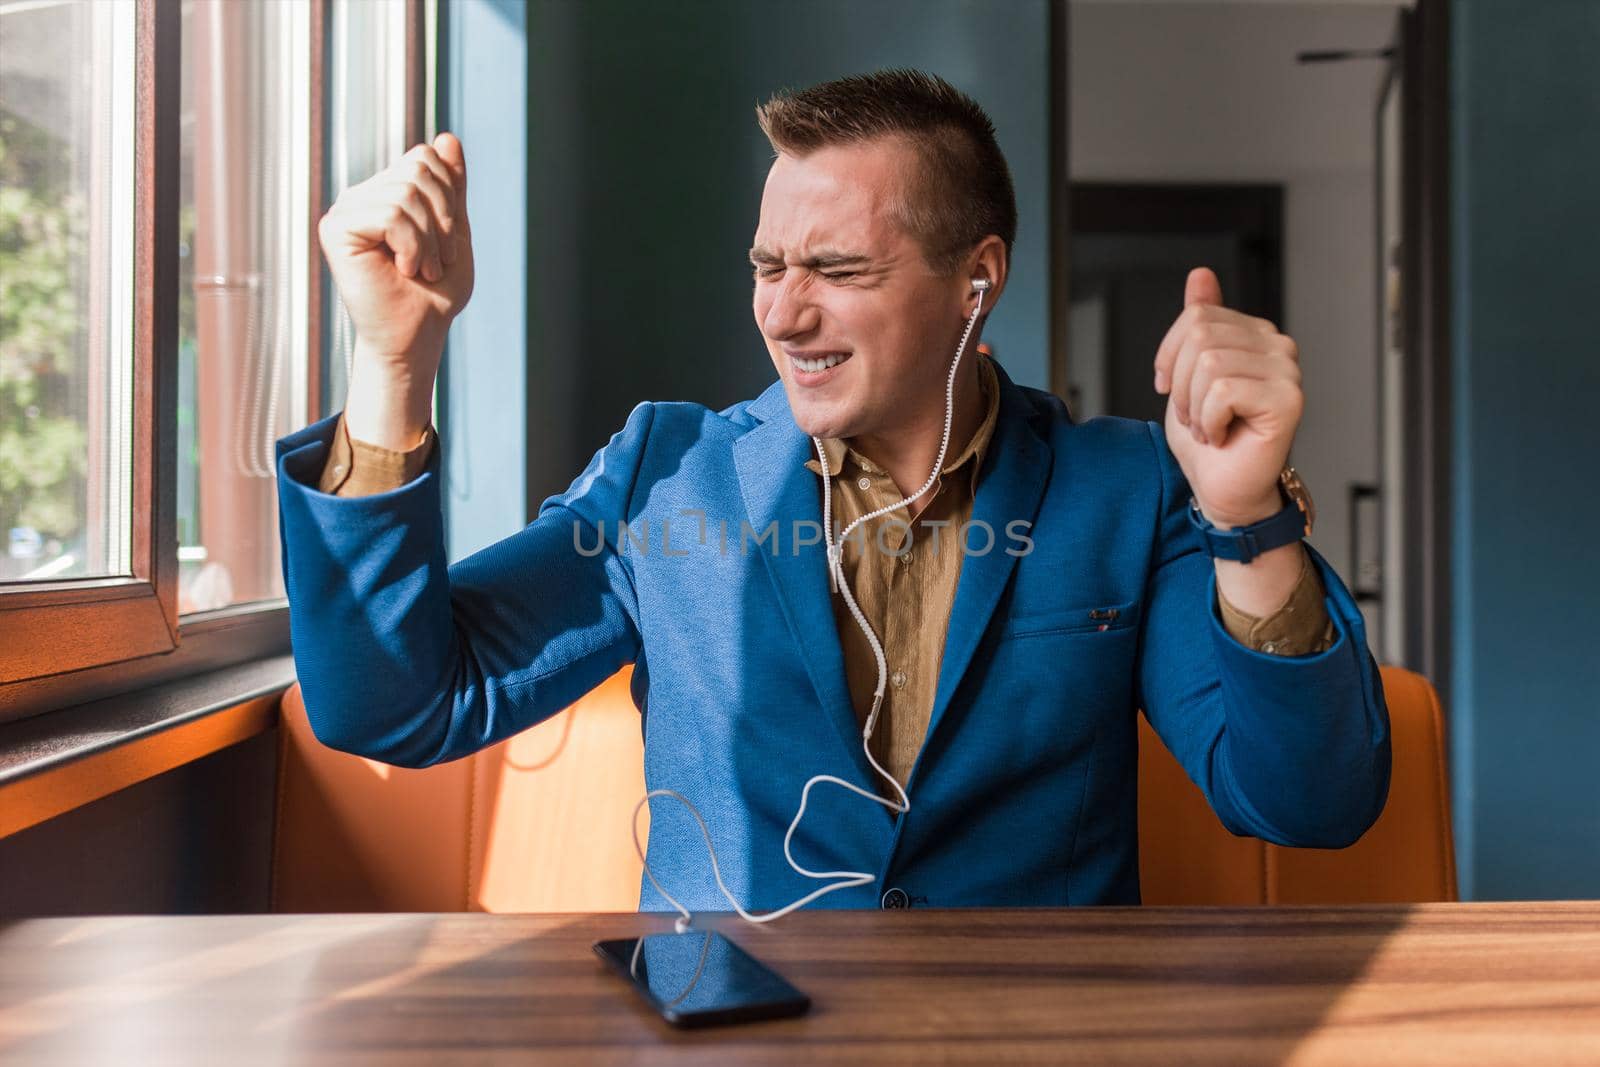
[1525,720]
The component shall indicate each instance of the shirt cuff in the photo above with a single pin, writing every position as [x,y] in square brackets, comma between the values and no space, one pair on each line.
[357,468]
[1301,627]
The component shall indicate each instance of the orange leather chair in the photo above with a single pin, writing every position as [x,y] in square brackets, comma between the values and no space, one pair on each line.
[1408,855]
[538,823]
[535,823]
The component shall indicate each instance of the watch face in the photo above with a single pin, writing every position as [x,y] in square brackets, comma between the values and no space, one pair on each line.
[1296,491]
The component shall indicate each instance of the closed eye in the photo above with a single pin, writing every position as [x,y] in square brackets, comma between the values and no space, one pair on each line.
[831,275]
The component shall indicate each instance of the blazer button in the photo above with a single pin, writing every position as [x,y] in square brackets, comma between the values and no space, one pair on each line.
[896,898]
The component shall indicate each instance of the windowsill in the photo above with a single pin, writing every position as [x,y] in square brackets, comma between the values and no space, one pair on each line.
[209,642]
[53,763]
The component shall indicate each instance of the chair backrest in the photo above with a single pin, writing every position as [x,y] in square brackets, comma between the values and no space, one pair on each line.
[1186,857]
[538,823]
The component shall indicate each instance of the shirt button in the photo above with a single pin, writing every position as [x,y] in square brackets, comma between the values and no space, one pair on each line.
[1270,647]
[864,483]
[899,679]
[338,468]
[906,559]
[896,898]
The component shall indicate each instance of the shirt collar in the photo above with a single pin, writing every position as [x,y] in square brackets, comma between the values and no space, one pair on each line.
[838,452]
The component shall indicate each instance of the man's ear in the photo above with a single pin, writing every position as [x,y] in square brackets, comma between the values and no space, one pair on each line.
[989,261]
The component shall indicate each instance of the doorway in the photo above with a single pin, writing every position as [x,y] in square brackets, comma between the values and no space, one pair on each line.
[1132,249]
[1240,136]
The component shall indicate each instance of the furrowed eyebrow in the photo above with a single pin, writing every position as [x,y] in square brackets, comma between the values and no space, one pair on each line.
[820,260]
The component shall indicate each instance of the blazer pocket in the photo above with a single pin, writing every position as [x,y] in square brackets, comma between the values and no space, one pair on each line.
[1087,619]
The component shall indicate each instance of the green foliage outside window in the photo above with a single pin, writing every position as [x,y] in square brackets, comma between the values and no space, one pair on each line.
[43,446]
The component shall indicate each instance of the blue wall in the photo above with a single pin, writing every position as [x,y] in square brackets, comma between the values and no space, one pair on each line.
[1526,232]
[645,176]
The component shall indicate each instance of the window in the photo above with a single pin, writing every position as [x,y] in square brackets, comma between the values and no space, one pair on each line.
[244,260]
[78,441]
[66,293]
[162,313]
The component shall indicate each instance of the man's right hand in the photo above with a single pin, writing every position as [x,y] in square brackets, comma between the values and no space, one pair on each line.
[399,247]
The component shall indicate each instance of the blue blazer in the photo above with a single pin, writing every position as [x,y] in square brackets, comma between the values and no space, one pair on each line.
[1024,792]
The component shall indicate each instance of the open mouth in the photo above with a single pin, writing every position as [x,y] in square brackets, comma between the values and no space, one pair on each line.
[813,370]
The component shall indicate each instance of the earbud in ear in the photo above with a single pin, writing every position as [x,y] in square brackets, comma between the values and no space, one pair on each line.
[980,284]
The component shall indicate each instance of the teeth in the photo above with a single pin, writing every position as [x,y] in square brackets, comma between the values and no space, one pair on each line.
[813,365]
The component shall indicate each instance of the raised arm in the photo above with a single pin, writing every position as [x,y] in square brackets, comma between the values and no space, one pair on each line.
[400,657]
[1291,749]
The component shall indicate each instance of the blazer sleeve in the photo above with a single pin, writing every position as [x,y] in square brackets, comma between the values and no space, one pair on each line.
[1290,749]
[406,660]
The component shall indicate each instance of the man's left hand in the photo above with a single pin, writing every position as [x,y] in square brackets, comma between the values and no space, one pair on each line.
[1233,403]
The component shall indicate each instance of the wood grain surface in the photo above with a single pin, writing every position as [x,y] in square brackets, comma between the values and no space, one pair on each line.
[1428,984]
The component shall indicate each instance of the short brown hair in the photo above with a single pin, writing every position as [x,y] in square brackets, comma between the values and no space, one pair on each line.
[962,192]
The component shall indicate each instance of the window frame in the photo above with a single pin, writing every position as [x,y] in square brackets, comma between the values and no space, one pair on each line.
[74,640]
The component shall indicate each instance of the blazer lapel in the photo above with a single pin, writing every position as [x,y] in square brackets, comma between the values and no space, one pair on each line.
[776,486]
[1018,468]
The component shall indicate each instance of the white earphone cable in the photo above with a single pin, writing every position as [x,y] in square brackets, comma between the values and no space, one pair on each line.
[846,879]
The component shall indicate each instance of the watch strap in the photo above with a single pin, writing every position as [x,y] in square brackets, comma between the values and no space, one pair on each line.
[1244,543]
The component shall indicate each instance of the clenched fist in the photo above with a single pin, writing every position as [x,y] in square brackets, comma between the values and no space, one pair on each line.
[1234,403]
[399,247]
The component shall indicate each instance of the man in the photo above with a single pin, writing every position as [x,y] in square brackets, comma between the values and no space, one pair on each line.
[1072,586]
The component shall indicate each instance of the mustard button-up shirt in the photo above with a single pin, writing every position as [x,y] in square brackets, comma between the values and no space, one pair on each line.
[904,580]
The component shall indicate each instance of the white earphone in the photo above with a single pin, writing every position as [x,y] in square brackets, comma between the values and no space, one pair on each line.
[845,879]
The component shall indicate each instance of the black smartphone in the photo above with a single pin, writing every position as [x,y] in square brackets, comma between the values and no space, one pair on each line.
[700,978]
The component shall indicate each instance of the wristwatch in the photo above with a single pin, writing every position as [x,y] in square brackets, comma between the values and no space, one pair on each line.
[1245,543]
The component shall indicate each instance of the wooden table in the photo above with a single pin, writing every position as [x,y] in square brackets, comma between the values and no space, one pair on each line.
[1441,983]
